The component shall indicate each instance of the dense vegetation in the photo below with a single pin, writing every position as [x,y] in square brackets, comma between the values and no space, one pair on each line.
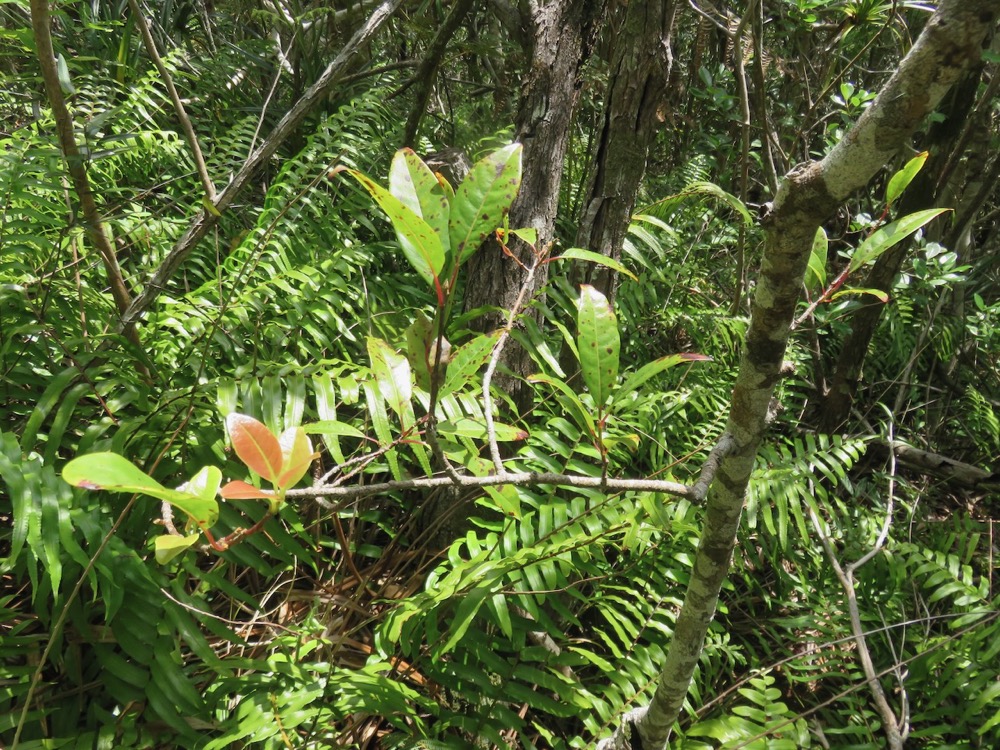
[524,614]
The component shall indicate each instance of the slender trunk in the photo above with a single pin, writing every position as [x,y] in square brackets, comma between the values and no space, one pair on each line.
[924,192]
[560,44]
[950,43]
[640,69]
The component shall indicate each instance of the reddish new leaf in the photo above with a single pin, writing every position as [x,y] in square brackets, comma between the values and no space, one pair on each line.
[256,445]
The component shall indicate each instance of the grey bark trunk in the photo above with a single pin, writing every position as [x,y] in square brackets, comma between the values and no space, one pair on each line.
[949,44]
[560,44]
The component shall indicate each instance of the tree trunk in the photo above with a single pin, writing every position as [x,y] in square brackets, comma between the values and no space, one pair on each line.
[949,44]
[561,33]
[923,193]
[637,84]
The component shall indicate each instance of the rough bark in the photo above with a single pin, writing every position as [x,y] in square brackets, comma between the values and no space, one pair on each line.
[949,44]
[560,43]
[640,69]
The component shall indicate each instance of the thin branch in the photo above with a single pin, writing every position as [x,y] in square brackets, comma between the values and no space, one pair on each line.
[324,493]
[207,219]
[75,164]
[491,433]
[168,81]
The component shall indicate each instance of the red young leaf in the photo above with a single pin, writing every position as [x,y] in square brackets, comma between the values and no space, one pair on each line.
[240,490]
[256,445]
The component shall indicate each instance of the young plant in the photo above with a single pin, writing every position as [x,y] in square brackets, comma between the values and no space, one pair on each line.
[281,460]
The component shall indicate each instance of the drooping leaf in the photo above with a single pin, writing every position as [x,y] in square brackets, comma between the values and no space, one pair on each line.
[578,253]
[418,240]
[417,187]
[651,369]
[598,341]
[816,272]
[902,179]
[467,360]
[256,445]
[483,199]
[578,410]
[662,208]
[168,546]
[332,427]
[890,235]
[109,471]
[392,373]
[877,293]
[418,343]
[297,455]
[476,428]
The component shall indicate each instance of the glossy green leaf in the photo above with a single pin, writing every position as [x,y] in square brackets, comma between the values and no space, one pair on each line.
[326,410]
[256,445]
[902,179]
[654,368]
[483,200]
[816,272]
[598,342]
[467,360]
[890,235]
[109,471]
[168,546]
[418,240]
[578,253]
[417,187]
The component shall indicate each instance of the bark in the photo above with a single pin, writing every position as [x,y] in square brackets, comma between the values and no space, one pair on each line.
[949,44]
[561,32]
[923,193]
[640,69]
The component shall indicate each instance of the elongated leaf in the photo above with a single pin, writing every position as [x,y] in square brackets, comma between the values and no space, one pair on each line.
[578,253]
[333,427]
[598,342]
[297,454]
[256,445]
[418,343]
[392,373]
[109,471]
[902,179]
[467,360]
[878,293]
[891,234]
[663,207]
[483,199]
[476,428]
[816,272]
[654,368]
[418,240]
[240,490]
[380,423]
[582,415]
[416,186]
